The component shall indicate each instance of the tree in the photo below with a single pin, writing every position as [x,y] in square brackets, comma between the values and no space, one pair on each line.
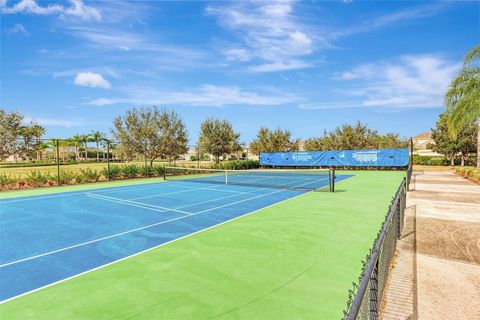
[463,97]
[313,144]
[143,131]
[174,137]
[10,127]
[444,143]
[461,145]
[38,131]
[85,139]
[357,136]
[274,141]
[97,136]
[218,138]
[76,142]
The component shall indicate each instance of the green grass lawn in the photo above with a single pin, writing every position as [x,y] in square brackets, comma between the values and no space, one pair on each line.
[294,260]
[21,172]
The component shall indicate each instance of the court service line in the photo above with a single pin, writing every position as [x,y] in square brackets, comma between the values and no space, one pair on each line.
[215,188]
[136,204]
[212,200]
[149,249]
[129,231]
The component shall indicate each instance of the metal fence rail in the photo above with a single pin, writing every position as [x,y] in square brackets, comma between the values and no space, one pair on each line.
[365,297]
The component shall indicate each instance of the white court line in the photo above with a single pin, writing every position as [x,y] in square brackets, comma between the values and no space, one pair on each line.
[82,192]
[212,200]
[132,230]
[135,204]
[146,250]
[215,188]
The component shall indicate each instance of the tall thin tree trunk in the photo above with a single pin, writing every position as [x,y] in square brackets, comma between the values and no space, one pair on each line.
[478,143]
[98,154]
[462,161]
[452,161]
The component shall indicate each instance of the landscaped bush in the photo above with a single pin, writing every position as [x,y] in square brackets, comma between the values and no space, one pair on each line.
[159,170]
[430,161]
[237,165]
[146,171]
[130,171]
[89,175]
[114,173]
[66,177]
[470,173]
[37,178]
[7,181]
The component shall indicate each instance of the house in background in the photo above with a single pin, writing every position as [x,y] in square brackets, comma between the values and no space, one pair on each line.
[422,143]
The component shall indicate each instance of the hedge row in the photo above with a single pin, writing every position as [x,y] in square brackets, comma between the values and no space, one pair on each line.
[469,173]
[36,179]
[439,161]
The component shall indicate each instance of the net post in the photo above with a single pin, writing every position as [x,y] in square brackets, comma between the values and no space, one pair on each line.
[332,180]
[226,177]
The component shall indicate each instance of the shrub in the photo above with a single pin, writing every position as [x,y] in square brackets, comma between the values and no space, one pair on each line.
[147,171]
[6,181]
[471,173]
[130,171]
[66,177]
[238,165]
[114,173]
[158,170]
[37,178]
[89,175]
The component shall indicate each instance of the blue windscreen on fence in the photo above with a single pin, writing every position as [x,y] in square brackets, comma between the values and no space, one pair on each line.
[338,158]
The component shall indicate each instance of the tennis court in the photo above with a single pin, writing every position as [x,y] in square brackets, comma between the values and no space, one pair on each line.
[294,257]
[47,239]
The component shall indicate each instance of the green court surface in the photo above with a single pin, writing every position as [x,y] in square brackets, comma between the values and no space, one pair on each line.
[294,260]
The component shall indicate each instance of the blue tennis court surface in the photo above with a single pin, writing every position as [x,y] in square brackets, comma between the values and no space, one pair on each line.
[50,238]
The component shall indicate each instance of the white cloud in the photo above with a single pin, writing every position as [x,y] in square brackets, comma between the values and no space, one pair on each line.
[206,95]
[76,9]
[378,22]
[18,29]
[280,66]
[268,32]
[55,122]
[415,81]
[91,79]
[237,54]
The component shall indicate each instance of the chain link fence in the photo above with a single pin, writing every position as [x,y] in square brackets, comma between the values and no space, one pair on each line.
[365,297]
[49,162]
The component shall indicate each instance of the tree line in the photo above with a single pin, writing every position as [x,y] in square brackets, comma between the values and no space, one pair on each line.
[152,133]
[459,125]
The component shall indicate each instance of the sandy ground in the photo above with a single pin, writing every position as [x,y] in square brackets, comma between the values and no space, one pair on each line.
[436,272]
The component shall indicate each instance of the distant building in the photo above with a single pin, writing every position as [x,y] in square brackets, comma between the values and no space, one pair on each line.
[422,145]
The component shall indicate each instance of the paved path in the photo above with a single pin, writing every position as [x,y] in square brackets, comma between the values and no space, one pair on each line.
[436,273]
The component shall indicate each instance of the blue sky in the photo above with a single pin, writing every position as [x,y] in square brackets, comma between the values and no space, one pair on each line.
[304,66]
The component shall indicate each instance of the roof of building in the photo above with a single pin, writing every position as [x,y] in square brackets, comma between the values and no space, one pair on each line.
[423,135]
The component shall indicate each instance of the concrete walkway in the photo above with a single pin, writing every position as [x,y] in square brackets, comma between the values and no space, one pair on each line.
[436,272]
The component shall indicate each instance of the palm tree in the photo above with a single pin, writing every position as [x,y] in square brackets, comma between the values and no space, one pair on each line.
[37,131]
[85,138]
[463,97]
[98,136]
[76,141]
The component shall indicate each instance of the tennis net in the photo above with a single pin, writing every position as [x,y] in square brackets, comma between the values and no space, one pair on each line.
[298,179]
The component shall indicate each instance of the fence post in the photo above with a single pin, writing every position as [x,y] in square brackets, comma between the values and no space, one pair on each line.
[374,293]
[108,160]
[198,156]
[57,145]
